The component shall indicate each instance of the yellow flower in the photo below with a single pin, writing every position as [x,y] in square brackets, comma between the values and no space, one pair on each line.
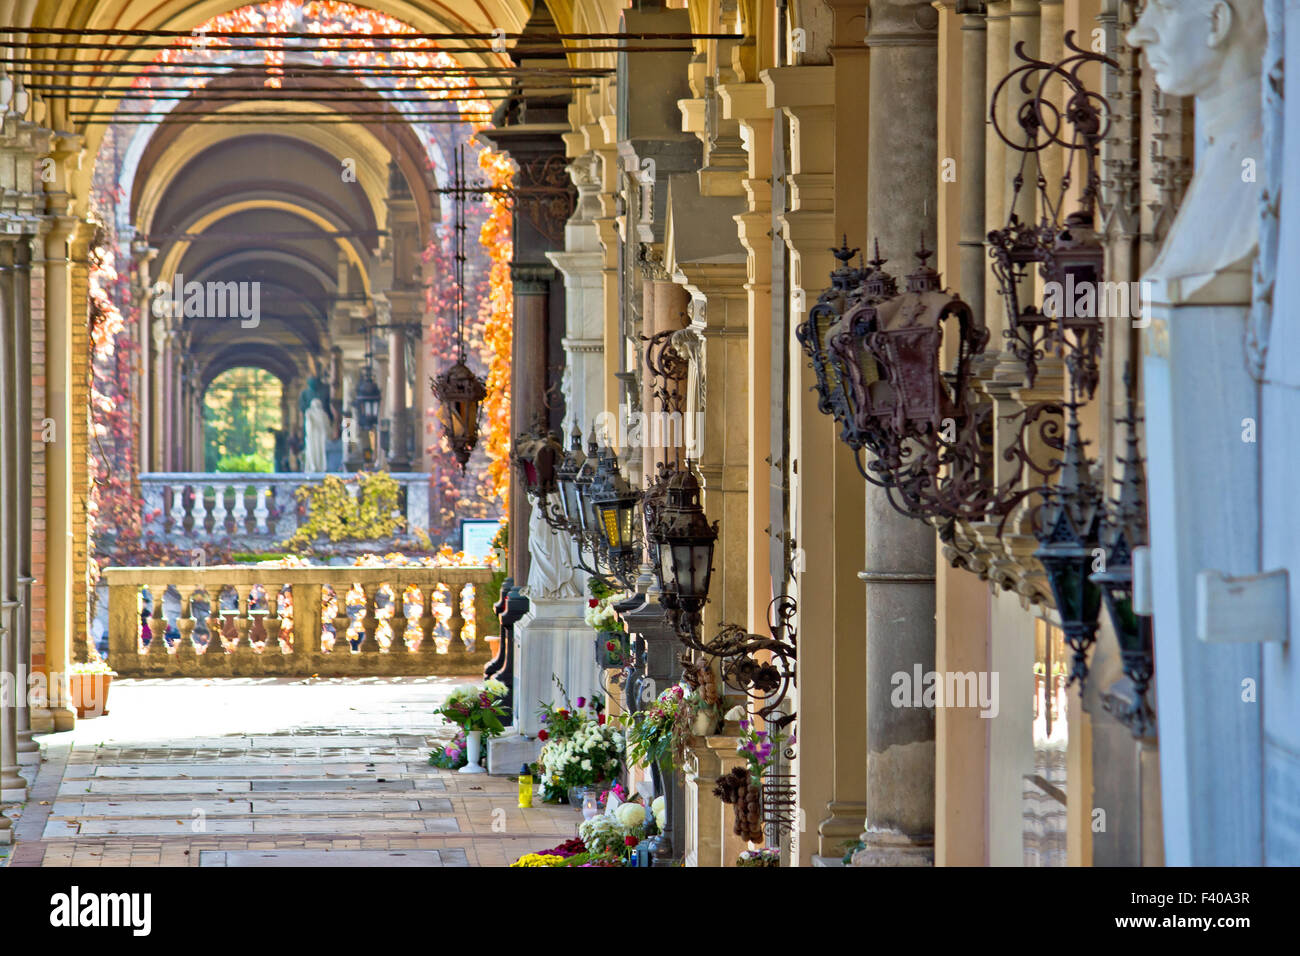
[538,859]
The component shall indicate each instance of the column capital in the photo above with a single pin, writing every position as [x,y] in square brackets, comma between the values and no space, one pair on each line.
[531,278]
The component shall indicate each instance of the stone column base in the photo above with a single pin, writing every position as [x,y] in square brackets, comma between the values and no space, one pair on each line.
[893,849]
[553,641]
[844,825]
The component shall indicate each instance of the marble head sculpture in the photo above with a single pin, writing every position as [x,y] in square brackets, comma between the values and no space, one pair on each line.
[1211,50]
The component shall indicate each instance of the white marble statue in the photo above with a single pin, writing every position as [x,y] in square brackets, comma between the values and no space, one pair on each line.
[316,423]
[550,573]
[1212,50]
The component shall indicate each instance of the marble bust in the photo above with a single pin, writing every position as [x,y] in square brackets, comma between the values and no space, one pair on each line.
[1212,50]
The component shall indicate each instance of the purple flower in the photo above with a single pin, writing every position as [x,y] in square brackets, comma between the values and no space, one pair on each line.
[582,702]
[744,725]
[760,734]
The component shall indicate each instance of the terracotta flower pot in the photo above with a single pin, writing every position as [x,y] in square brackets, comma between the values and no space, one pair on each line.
[90,694]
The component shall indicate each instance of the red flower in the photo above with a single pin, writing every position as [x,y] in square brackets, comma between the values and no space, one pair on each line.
[564,712]
[611,646]
[542,735]
[629,840]
[600,719]
[592,602]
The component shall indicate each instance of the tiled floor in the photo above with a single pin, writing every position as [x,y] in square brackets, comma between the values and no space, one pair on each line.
[273,772]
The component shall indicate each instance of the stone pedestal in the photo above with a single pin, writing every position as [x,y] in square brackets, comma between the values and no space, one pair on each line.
[1202,414]
[553,640]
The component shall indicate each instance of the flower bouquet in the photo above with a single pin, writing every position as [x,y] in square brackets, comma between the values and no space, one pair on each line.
[615,832]
[660,731]
[477,707]
[478,710]
[591,755]
[762,857]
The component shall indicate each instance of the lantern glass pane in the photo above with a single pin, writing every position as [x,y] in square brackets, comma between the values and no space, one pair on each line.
[702,560]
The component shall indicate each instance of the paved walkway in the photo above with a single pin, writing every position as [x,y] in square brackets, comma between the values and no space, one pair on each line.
[271,772]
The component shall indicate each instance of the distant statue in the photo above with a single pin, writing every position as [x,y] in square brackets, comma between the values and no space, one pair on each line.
[550,573]
[281,449]
[312,391]
[316,423]
[1212,50]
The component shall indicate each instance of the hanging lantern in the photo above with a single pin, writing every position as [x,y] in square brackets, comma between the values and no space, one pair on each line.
[460,391]
[367,399]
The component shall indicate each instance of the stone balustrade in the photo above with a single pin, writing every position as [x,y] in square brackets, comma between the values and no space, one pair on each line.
[255,508]
[250,620]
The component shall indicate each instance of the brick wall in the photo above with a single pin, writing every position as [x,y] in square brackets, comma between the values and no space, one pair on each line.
[81,375]
[38,461]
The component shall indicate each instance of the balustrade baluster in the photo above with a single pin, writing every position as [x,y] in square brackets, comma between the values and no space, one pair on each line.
[155,519]
[369,622]
[272,649]
[243,650]
[261,508]
[398,621]
[157,626]
[456,623]
[214,656]
[483,617]
[185,654]
[240,510]
[428,622]
[200,511]
[342,644]
[219,511]
[178,509]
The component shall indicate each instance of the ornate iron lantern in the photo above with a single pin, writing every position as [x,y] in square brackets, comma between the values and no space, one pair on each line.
[1069,546]
[367,398]
[1123,529]
[614,502]
[460,391]
[566,477]
[1070,254]
[814,332]
[685,541]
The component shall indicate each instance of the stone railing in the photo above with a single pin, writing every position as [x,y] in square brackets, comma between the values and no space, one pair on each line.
[245,621]
[255,508]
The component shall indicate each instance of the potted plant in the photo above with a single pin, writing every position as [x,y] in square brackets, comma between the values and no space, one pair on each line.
[766,856]
[478,710]
[88,684]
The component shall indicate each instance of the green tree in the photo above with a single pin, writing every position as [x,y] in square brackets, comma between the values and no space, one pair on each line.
[240,407]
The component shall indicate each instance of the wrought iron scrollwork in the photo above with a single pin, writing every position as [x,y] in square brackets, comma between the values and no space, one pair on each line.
[668,368]
[762,668]
[1066,249]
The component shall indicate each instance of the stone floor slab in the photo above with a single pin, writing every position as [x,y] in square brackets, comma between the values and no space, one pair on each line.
[245,770]
[293,805]
[330,786]
[333,858]
[147,787]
